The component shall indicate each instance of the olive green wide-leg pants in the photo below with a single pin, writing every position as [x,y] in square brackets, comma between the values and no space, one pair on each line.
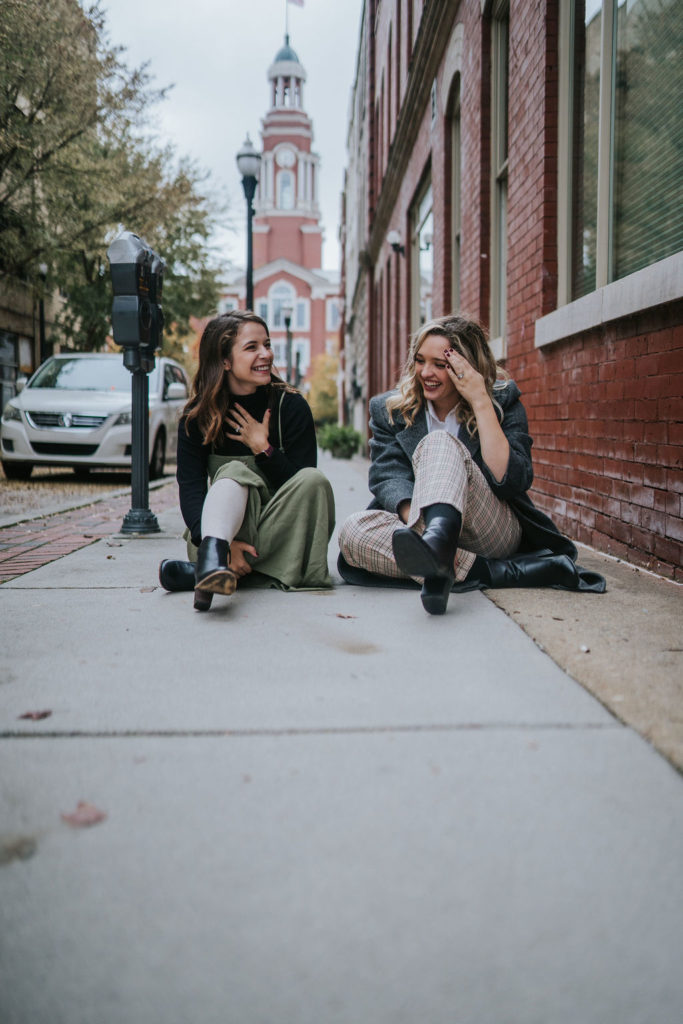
[290,529]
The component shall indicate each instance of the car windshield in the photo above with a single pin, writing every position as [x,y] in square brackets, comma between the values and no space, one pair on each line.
[65,373]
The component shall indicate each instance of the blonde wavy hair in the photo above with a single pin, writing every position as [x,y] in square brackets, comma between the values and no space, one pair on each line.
[468,337]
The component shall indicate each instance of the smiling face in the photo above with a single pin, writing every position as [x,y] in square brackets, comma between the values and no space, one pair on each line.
[431,372]
[250,361]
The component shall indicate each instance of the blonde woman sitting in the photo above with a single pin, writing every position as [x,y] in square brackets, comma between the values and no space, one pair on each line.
[451,468]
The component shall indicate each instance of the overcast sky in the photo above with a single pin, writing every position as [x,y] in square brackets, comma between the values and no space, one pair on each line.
[217,54]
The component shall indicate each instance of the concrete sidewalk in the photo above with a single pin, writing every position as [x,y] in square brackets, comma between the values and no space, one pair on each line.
[324,807]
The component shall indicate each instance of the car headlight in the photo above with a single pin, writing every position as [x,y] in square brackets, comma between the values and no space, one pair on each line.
[10,412]
[124,418]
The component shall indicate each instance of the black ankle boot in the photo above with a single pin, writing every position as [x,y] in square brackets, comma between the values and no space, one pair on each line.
[176,575]
[431,555]
[533,570]
[212,575]
[435,593]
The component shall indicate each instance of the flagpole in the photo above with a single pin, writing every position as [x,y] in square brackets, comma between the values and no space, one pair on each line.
[286,17]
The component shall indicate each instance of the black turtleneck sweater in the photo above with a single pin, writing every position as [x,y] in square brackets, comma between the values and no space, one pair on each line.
[298,441]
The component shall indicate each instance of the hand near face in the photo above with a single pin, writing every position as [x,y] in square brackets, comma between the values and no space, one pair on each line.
[252,433]
[467,381]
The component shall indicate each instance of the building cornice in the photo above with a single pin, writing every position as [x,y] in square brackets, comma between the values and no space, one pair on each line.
[284,266]
[267,133]
[307,216]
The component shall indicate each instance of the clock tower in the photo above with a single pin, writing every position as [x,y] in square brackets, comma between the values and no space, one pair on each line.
[287,215]
[297,298]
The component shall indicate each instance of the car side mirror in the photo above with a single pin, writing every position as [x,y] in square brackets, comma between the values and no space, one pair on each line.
[20,383]
[175,391]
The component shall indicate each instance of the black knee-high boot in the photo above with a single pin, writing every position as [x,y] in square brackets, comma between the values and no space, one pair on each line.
[175,575]
[531,570]
[212,575]
[431,555]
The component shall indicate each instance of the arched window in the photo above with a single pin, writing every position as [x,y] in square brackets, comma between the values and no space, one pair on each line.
[453,127]
[285,190]
[280,295]
[422,256]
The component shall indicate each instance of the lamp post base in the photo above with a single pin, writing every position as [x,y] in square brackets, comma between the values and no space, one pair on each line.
[140,520]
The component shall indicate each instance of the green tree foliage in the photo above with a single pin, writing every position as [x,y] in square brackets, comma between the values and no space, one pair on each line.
[322,397]
[77,166]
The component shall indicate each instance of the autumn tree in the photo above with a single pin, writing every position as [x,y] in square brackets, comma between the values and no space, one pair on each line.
[77,165]
[322,396]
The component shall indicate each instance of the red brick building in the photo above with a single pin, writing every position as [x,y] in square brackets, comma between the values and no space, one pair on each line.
[522,162]
[287,231]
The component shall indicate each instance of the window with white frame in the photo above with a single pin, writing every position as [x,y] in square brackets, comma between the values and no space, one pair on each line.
[500,34]
[226,305]
[262,309]
[332,317]
[302,315]
[285,190]
[456,221]
[280,296]
[422,256]
[280,354]
[301,349]
[621,139]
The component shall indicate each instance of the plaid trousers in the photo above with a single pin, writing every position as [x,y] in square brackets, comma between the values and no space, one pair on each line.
[444,473]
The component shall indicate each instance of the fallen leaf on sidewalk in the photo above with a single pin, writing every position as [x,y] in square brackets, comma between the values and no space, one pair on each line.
[85,814]
[36,716]
[147,590]
[16,848]
[340,616]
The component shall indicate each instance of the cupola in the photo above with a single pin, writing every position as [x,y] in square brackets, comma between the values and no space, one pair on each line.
[286,76]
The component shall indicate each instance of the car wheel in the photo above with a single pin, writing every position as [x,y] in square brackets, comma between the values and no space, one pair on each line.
[17,470]
[81,472]
[158,460]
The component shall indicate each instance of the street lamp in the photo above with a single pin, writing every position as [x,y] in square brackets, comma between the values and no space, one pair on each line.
[42,270]
[249,164]
[287,311]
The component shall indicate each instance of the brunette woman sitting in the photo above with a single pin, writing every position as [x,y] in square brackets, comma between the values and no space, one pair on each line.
[268,509]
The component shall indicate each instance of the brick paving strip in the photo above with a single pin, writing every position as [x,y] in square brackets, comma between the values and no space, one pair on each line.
[29,545]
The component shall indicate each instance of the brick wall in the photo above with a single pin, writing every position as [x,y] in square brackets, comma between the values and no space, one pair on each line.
[605,407]
[607,418]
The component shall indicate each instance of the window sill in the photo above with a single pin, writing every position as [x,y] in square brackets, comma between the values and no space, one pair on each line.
[662,282]
[497,346]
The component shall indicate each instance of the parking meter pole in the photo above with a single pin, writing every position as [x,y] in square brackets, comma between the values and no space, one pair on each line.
[139,519]
[137,322]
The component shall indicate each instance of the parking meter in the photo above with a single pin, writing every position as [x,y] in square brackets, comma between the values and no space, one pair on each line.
[155,291]
[130,261]
[137,322]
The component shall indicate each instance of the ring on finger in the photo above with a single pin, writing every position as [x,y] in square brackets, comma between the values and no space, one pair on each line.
[460,376]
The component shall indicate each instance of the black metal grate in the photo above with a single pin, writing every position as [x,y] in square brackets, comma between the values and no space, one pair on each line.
[59,448]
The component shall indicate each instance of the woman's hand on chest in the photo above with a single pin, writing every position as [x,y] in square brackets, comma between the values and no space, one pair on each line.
[248,431]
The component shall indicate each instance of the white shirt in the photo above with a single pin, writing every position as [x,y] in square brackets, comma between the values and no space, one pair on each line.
[434,423]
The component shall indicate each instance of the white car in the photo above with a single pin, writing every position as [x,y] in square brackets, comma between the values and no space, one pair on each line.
[76,411]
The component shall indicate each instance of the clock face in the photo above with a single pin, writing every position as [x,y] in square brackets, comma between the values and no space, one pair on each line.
[285,158]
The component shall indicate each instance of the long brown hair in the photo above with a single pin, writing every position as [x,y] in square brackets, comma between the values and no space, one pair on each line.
[466,336]
[210,397]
